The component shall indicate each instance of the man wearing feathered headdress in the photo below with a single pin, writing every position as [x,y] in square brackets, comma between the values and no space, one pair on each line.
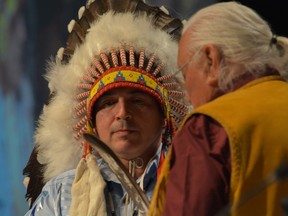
[116,81]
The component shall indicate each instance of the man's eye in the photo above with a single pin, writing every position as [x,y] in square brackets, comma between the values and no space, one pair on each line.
[138,101]
[105,104]
[108,103]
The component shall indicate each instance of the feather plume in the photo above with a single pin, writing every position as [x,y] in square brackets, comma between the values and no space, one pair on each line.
[134,191]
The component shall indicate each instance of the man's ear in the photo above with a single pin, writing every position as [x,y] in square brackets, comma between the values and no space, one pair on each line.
[213,57]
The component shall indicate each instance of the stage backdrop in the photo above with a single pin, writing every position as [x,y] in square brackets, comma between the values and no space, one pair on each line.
[31,31]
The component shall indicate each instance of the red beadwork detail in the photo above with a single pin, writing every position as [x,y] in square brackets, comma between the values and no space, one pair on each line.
[170,85]
[123,55]
[141,58]
[176,93]
[82,95]
[105,60]
[131,56]
[180,112]
[98,65]
[165,77]
[93,72]
[80,104]
[80,133]
[177,104]
[158,69]
[150,62]
[114,57]
[81,123]
[84,86]
[87,149]
[89,78]
[175,118]
[80,112]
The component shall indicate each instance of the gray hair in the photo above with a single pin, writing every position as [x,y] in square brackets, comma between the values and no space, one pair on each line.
[245,40]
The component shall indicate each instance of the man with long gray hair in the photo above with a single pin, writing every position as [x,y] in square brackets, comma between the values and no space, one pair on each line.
[228,147]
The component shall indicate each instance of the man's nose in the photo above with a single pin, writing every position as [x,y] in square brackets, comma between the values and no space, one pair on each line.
[123,110]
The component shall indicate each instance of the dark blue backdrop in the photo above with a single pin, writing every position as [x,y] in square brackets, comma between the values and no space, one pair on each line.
[30,32]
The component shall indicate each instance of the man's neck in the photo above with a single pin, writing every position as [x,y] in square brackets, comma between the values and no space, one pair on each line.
[137,166]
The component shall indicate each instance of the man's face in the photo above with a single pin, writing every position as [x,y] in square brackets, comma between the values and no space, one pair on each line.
[129,121]
[197,73]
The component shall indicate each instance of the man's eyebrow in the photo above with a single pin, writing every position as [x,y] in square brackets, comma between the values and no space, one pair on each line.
[136,91]
[107,94]
[133,92]
[103,97]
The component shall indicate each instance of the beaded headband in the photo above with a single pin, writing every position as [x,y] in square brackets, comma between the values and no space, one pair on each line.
[126,77]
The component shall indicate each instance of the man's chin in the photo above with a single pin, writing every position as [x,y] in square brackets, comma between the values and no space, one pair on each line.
[126,152]
[124,140]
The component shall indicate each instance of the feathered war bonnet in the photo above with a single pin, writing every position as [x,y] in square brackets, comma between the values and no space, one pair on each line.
[112,44]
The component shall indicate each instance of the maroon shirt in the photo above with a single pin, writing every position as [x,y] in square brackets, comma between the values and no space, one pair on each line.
[200,175]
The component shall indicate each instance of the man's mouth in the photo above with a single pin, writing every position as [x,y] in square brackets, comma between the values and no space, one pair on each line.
[124,131]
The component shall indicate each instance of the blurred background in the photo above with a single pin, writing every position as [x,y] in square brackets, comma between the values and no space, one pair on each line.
[31,32]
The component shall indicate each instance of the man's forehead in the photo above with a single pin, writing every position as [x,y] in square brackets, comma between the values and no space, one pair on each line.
[183,50]
[124,90]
